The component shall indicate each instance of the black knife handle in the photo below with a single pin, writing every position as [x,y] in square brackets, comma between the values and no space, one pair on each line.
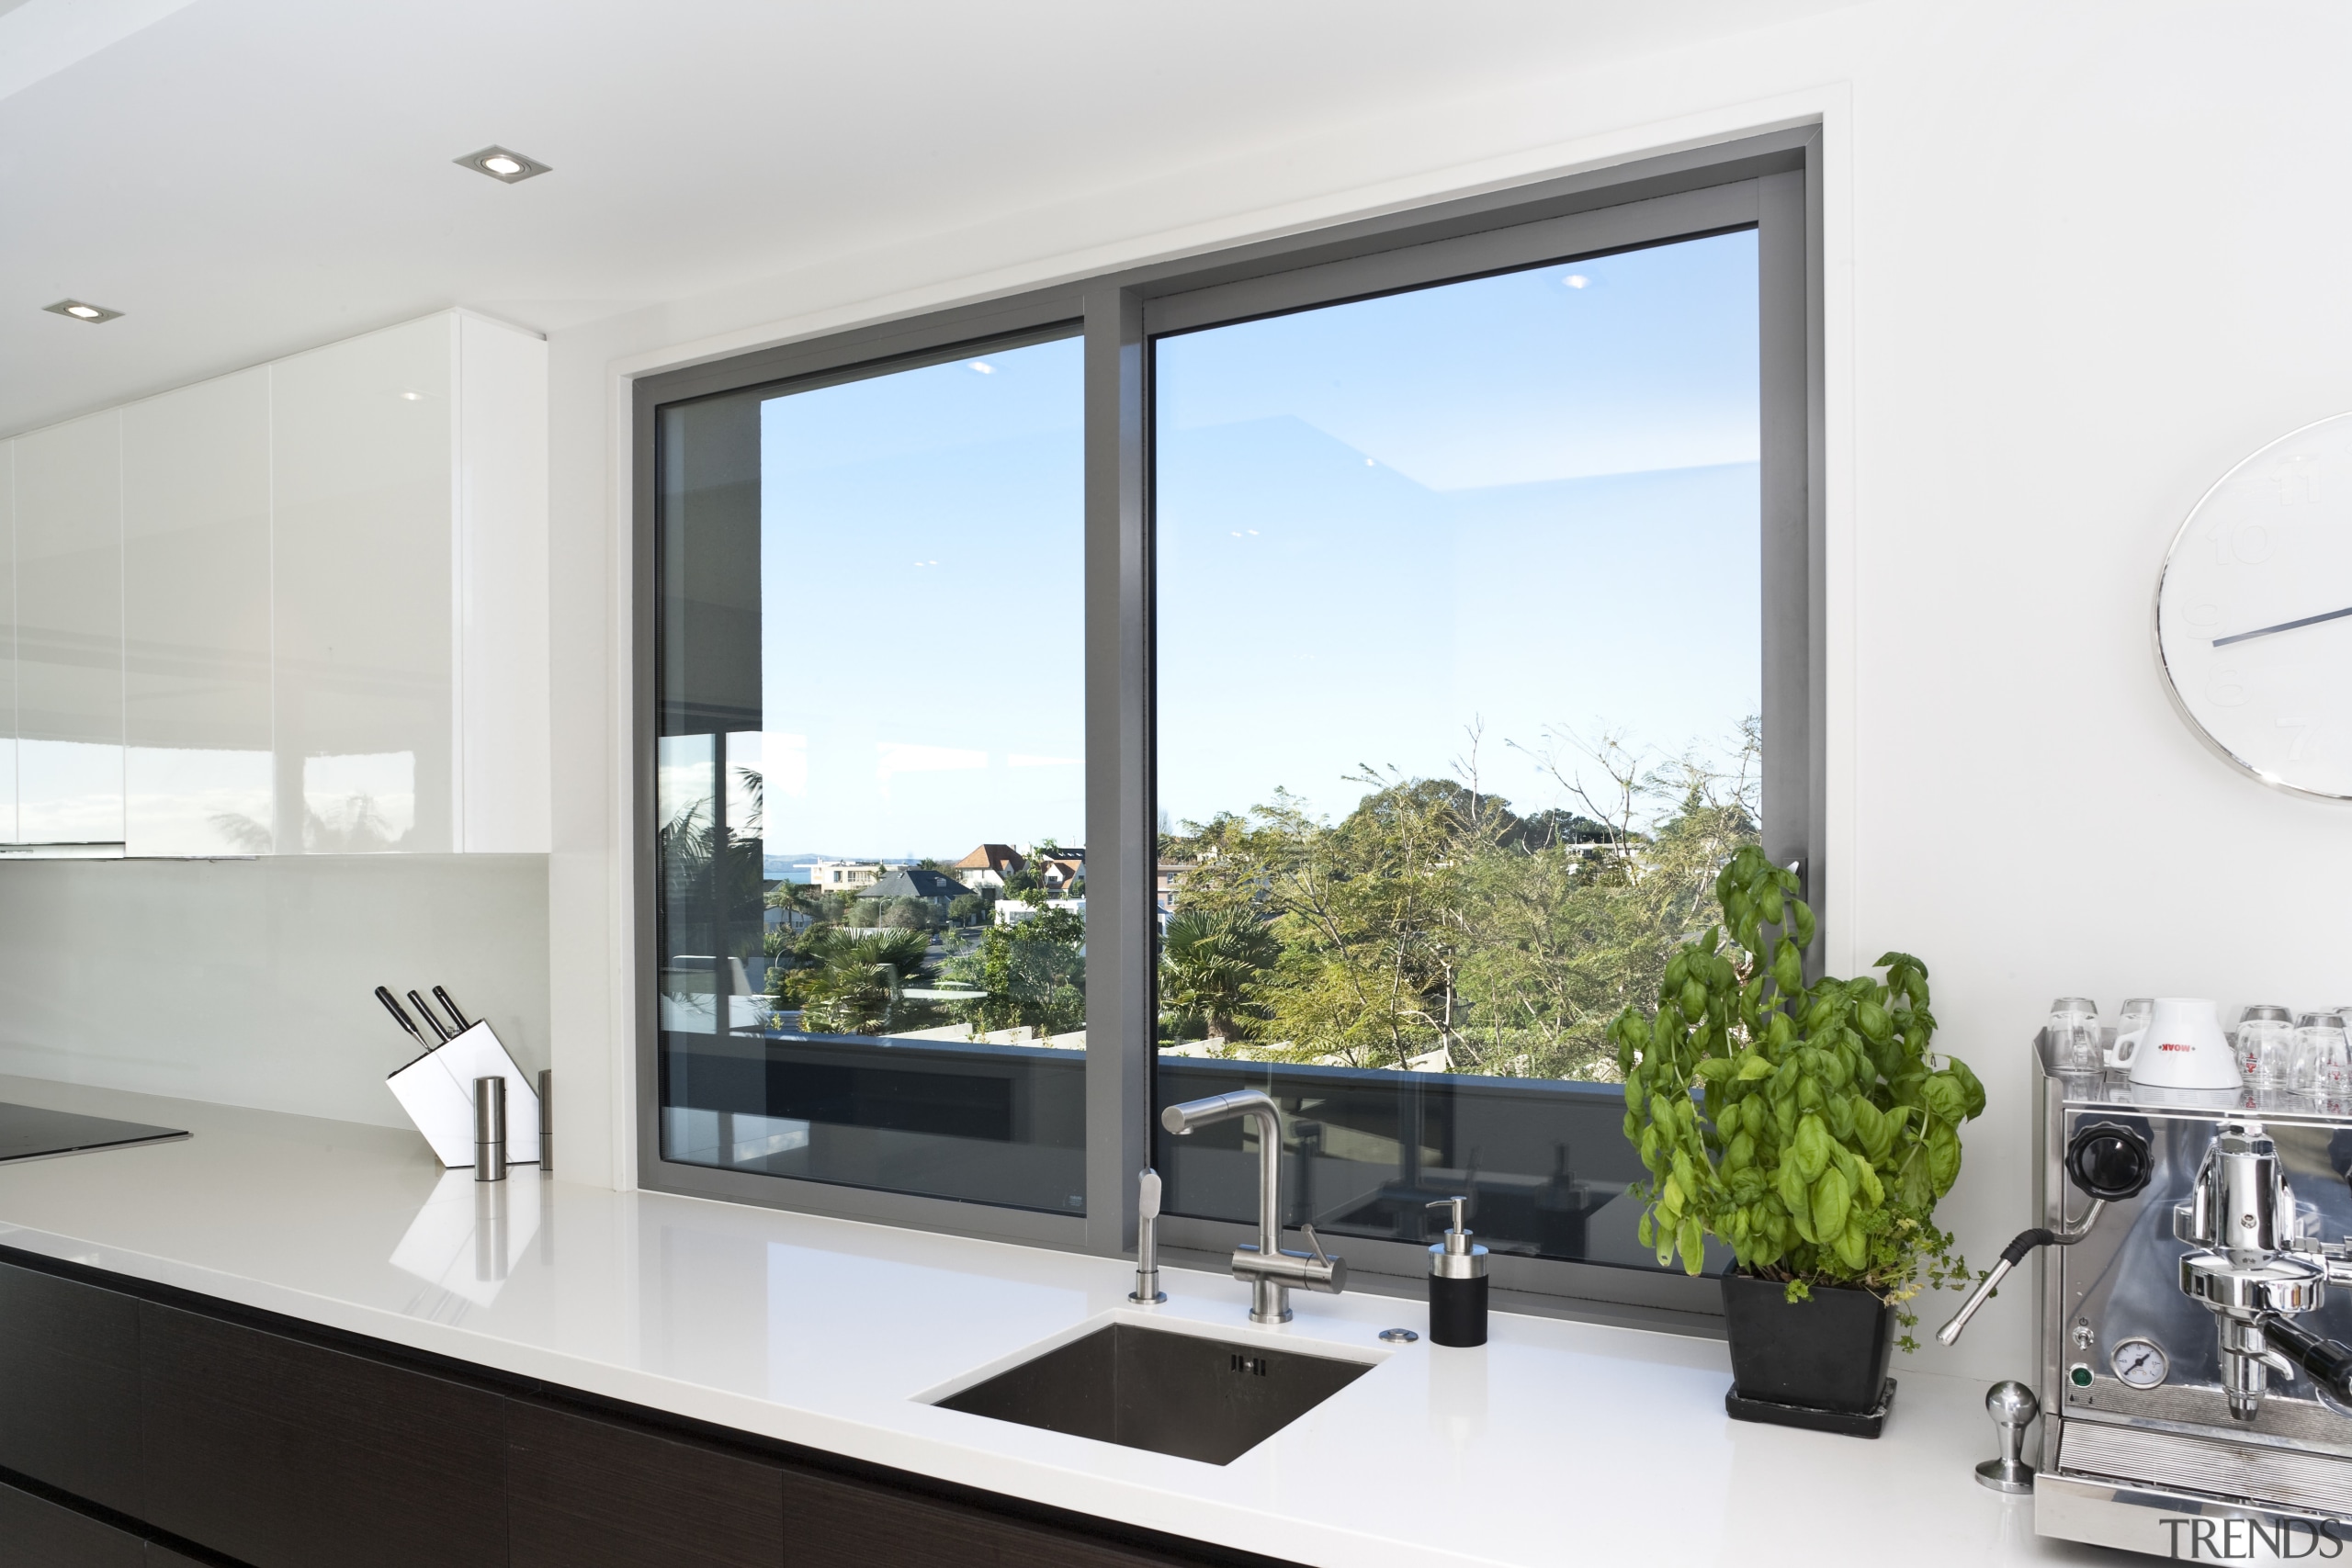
[392,1006]
[450,1007]
[430,1022]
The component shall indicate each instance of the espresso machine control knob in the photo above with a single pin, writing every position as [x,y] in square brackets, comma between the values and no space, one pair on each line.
[2110,1162]
[2012,1407]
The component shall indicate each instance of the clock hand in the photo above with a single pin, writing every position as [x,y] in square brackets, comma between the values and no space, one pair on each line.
[2281,626]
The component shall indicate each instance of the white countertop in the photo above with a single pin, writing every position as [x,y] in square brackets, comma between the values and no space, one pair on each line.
[1556,1443]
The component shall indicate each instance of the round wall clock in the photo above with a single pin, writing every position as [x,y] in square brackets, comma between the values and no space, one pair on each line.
[2253,613]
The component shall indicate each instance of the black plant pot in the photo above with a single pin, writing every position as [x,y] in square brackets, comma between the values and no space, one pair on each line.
[1819,1363]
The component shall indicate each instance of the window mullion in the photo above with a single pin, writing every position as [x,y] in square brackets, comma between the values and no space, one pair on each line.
[1122,831]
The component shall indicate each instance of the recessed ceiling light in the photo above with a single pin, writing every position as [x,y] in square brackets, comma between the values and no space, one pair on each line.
[501,164]
[81,311]
[1575,280]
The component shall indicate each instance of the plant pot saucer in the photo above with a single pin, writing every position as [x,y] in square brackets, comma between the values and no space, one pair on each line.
[1812,1419]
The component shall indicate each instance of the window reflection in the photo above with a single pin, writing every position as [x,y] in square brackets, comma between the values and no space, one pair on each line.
[359,804]
[872,945]
[185,801]
[69,792]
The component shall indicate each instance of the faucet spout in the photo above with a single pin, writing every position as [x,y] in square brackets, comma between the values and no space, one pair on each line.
[1271,1272]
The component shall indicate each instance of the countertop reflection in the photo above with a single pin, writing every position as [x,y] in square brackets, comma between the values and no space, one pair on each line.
[1555,1442]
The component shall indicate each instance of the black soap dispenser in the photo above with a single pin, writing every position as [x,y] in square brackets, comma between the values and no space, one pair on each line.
[1457,1284]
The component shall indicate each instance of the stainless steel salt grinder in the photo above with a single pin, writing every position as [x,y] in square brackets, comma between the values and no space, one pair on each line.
[490,1129]
[1457,1284]
[1147,1291]
[2013,1408]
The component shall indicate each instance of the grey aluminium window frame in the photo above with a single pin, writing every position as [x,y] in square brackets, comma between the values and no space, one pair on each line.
[1768,183]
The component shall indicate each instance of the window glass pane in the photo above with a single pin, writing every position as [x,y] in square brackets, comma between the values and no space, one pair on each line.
[1459,685]
[870,803]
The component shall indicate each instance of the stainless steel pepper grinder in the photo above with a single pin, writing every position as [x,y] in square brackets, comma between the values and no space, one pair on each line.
[2013,1408]
[490,1129]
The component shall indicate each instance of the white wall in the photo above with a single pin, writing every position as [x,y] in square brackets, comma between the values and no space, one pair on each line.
[2082,257]
[252,982]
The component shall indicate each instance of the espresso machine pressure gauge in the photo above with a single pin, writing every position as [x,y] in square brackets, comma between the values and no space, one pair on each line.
[2141,1363]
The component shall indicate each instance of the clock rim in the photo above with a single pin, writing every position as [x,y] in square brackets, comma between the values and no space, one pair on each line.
[2156,627]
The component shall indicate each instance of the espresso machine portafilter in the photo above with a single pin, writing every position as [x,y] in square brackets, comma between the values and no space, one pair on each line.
[2249,1269]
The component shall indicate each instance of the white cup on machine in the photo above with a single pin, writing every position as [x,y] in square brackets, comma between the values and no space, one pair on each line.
[2181,1046]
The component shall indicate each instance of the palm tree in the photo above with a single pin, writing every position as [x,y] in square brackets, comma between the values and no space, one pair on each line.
[1211,963]
[854,986]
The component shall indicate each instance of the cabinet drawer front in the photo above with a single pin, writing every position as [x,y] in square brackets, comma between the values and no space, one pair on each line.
[286,1455]
[37,1533]
[830,1523]
[69,1386]
[586,1494]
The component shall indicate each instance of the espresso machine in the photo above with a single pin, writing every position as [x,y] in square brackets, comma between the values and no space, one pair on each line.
[2194,1282]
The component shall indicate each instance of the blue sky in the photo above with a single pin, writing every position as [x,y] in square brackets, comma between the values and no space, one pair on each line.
[1528,502]
[922,547]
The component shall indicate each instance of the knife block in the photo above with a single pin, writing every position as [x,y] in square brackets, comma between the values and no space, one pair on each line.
[438,1093]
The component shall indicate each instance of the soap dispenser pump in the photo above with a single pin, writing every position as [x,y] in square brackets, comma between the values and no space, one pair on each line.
[1457,1284]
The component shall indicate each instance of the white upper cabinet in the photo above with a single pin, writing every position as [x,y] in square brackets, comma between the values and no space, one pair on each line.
[503,744]
[69,635]
[366,462]
[7,642]
[298,610]
[196,612]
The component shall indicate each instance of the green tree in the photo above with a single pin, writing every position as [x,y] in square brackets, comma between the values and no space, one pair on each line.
[852,984]
[1358,909]
[1212,965]
[907,914]
[1033,974]
[1433,916]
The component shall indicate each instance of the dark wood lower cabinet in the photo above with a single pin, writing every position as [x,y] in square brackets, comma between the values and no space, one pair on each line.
[186,1434]
[288,1455]
[583,1493]
[69,1387]
[38,1533]
[835,1523]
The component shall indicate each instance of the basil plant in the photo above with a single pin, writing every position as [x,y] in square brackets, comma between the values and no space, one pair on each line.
[1808,1128]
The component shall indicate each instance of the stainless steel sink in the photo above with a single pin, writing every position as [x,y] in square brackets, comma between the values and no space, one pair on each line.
[1212,1400]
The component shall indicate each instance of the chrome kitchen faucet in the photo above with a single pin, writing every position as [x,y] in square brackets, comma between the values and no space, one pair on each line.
[1270,1270]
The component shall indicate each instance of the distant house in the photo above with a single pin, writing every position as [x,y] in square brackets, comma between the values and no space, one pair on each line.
[1014,912]
[844,876]
[935,887]
[988,866]
[1164,885]
[1057,871]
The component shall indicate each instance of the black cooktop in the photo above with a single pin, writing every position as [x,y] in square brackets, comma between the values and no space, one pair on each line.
[30,1132]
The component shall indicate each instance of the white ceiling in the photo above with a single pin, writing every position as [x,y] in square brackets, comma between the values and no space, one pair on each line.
[245,178]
